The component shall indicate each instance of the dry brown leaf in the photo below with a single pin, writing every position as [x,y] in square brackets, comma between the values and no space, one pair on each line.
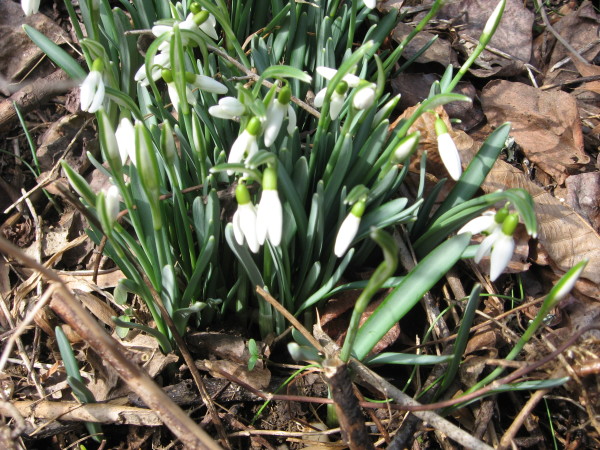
[439,52]
[257,377]
[513,35]
[583,195]
[546,125]
[18,53]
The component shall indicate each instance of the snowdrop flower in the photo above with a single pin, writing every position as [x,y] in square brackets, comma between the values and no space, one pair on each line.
[277,110]
[112,203]
[349,228]
[269,213]
[339,95]
[30,6]
[406,147]
[125,135]
[91,94]
[206,83]
[487,223]
[228,108]
[244,219]
[364,98]
[500,245]
[201,19]
[245,145]
[447,150]
[160,61]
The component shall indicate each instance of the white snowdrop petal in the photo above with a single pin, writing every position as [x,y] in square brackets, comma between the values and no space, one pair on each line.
[485,247]
[479,224]
[346,234]
[291,113]
[320,98]
[502,252]
[209,84]
[449,155]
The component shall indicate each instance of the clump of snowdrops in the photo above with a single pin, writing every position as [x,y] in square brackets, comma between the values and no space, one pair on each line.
[224,178]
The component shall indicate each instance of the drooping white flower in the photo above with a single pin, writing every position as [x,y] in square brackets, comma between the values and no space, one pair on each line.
[30,6]
[244,219]
[486,223]
[206,83]
[125,135]
[276,111]
[447,150]
[246,143]
[348,229]
[112,203]
[201,20]
[160,61]
[174,96]
[364,98]
[371,4]
[338,96]
[91,94]
[269,213]
[499,244]
[227,108]
[406,147]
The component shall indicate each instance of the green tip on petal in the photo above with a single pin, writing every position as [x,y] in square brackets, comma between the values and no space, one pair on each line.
[285,95]
[341,87]
[359,208]
[242,195]
[440,127]
[201,17]
[270,179]
[253,126]
[510,224]
[98,65]
[167,75]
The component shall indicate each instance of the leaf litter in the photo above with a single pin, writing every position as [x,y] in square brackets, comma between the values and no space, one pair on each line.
[556,132]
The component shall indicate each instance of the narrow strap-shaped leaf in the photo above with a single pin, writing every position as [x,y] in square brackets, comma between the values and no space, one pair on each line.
[56,54]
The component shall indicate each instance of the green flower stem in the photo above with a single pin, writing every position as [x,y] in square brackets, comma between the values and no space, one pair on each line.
[395,55]
[484,40]
[385,270]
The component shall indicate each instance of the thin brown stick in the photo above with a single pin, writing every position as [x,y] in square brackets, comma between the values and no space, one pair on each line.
[290,317]
[540,7]
[72,312]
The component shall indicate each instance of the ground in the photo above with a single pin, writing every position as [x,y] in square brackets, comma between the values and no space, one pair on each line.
[549,92]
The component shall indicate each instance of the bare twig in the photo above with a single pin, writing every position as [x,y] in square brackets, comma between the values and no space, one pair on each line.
[72,312]
[89,412]
[540,7]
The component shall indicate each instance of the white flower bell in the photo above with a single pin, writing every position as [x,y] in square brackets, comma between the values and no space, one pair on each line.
[125,135]
[269,213]
[277,110]
[348,229]
[338,96]
[500,243]
[91,94]
[228,108]
[160,61]
[245,145]
[244,219]
[112,203]
[447,150]
[364,98]
[30,6]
